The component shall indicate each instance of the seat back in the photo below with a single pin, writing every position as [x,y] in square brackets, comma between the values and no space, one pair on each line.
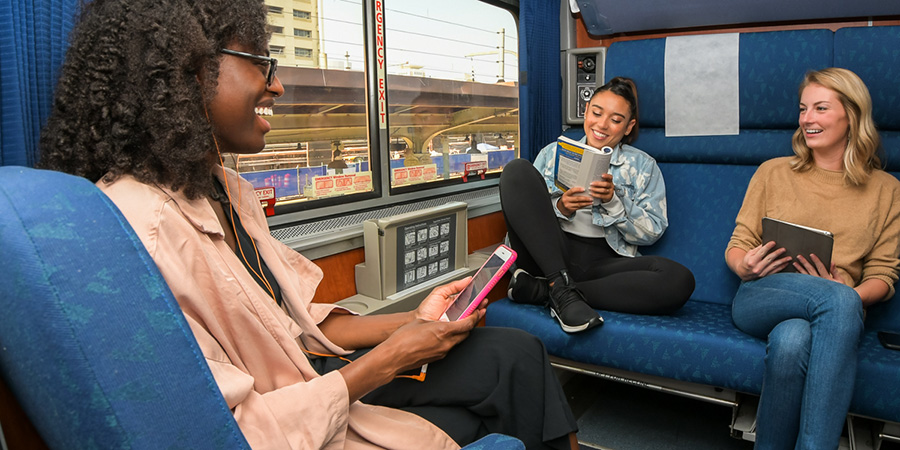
[92,343]
[706,176]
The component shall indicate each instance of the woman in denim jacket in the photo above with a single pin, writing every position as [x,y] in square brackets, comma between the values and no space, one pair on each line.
[577,255]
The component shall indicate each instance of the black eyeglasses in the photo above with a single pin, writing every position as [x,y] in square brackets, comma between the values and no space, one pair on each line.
[271,63]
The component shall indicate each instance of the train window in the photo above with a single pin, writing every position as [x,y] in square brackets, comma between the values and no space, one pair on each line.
[452,70]
[451,88]
[323,107]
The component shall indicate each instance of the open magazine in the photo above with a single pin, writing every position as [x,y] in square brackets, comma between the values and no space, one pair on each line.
[579,164]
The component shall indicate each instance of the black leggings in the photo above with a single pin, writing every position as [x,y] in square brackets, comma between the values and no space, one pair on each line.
[498,380]
[609,281]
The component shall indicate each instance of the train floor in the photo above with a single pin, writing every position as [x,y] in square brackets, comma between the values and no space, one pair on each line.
[616,416]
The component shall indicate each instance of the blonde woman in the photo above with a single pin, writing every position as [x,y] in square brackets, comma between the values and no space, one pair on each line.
[813,319]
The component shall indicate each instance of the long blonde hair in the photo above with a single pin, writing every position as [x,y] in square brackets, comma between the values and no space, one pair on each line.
[861,154]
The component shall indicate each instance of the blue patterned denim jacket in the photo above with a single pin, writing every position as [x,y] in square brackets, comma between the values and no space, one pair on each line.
[637,213]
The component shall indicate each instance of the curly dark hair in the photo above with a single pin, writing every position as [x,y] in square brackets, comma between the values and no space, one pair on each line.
[129,99]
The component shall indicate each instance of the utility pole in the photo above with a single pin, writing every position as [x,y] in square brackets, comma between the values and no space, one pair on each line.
[323,57]
[503,54]
[501,51]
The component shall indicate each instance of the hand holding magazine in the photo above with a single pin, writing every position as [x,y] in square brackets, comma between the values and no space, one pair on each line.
[578,164]
[798,240]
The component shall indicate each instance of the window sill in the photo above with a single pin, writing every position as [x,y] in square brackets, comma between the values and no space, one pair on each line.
[330,236]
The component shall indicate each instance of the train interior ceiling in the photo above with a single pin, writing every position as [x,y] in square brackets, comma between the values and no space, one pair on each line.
[512,119]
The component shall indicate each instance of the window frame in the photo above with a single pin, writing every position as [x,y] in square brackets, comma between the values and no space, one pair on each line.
[296,55]
[382,195]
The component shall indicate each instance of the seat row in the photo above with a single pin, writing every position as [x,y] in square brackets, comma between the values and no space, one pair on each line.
[698,351]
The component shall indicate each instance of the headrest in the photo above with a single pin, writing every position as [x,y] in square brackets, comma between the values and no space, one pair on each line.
[771,66]
[872,53]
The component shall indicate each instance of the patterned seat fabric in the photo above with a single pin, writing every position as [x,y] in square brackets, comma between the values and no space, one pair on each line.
[698,344]
[706,177]
[94,346]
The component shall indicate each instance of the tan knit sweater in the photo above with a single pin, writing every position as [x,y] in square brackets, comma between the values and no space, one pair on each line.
[865,220]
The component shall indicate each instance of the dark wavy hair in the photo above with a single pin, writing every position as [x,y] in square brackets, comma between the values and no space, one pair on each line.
[129,98]
[625,88]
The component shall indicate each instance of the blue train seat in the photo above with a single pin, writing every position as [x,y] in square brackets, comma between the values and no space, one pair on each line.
[706,177]
[92,343]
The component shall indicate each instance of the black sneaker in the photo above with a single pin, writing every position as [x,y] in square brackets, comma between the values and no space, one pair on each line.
[528,289]
[568,306]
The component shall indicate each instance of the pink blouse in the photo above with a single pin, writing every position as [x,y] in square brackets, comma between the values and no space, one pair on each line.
[250,343]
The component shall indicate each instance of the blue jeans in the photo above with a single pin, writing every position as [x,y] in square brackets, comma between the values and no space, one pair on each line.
[813,327]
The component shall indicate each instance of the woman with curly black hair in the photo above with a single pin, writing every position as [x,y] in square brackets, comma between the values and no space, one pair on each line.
[151,94]
[130,91]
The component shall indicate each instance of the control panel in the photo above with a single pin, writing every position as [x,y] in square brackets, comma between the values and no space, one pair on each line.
[584,73]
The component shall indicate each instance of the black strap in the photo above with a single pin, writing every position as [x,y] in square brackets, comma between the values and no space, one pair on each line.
[250,256]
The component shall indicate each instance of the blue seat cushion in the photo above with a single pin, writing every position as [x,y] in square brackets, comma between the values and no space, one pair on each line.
[698,344]
[496,442]
[877,389]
